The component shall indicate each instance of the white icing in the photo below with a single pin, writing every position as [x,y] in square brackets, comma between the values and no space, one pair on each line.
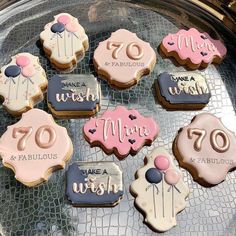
[18,94]
[113,126]
[192,83]
[99,188]
[188,41]
[65,45]
[159,202]
[80,97]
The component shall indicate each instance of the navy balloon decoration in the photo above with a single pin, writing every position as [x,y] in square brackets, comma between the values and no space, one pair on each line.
[153,176]
[57,28]
[12,71]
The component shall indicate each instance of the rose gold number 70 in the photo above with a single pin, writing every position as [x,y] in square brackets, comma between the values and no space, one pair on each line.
[129,50]
[27,132]
[201,134]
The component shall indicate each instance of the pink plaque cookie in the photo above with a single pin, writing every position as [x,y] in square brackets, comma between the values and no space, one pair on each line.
[121,131]
[159,190]
[124,58]
[34,147]
[207,149]
[192,48]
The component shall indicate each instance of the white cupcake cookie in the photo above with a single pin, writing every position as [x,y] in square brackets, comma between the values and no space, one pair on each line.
[22,83]
[159,190]
[64,41]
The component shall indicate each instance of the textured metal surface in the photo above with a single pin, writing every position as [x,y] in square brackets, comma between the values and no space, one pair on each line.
[44,210]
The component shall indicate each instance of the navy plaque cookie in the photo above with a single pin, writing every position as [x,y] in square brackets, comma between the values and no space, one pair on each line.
[182,90]
[73,95]
[94,184]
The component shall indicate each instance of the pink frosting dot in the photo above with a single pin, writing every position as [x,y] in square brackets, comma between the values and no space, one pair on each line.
[72,27]
[172,177]
[22,61]
[28,71]
[161,162]
[63,19]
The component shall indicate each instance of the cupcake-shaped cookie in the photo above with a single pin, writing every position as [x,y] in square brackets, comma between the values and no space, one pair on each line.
[64,41]
[159,190]
[22,83]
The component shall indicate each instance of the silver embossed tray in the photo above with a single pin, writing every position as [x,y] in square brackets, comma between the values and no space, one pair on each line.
[44,210]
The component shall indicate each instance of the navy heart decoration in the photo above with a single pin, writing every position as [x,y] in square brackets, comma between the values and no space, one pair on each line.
[132,117]
[204,37]
[132,141]
[203,53]
[92,131]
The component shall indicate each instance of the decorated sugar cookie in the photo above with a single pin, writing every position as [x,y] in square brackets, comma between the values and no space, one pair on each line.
[34,147]
[207,149]
[182,90]
[64,41]
[121,131]
[94,184]
[123,59]
[159,191]
[22,83]
[193,48]
[74,95]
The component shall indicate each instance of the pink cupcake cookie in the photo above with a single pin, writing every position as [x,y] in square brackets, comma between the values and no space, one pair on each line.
[121,131]
[34,147]
[123,59]
[64,41]
[22,83]
[193,48]
[207,149]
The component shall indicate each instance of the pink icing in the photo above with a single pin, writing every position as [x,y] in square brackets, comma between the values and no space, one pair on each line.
[121,129]
[161,163]
[72,27]
[198,47]
[28,71]
[203,152]
[123,56]
[172,177]
[22,61]
[63,19]
[32,160]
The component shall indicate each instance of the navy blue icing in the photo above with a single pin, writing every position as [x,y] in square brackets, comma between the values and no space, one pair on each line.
[57,28]
[164,82]
[75,175]
[12,71]
[55,86]
[153,176]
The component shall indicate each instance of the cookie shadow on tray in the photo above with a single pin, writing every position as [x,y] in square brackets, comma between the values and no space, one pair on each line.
[176,63]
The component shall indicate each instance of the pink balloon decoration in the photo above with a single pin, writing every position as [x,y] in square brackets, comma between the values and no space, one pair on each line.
[72,27]
[161,162]
[28,71]
[22,61]
[172,177]
[63,19]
